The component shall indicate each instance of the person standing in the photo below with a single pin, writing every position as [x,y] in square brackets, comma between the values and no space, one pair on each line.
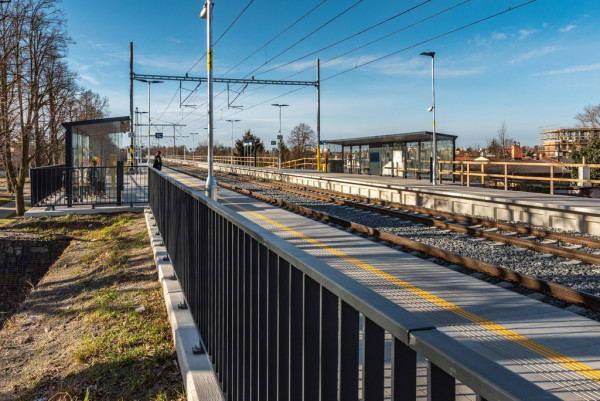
[157,161]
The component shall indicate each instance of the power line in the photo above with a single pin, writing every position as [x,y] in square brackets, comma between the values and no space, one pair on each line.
[429,40]
[348,37]
[398,51]
[234,21]
[306,36]
[371,42]
[223,34]
[276,36]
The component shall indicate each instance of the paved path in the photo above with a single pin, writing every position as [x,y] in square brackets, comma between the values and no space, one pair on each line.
[7,209]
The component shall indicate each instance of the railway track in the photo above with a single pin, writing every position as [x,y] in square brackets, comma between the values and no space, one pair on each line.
[459,224]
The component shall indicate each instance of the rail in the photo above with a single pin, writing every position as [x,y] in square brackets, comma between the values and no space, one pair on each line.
[68,186]
[278,323]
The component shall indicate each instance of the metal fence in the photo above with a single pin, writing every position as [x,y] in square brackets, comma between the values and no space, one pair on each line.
[279,324]
[70,186]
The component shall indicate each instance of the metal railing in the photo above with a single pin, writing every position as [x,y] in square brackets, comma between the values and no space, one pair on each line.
[279,324]
[69,186]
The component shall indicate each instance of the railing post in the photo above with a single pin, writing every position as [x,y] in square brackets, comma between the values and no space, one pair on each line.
[482,174]
[373,353]
[440,385]
[348,354]
[468,175]
[505,176]
[119,181]
[551,179]
[462,172]
[404,372]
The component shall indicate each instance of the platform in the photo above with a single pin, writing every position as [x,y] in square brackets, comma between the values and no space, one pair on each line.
[553,348]
[561,212]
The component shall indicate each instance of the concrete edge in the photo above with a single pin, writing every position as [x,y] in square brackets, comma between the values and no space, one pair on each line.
[199,378]
[63,210]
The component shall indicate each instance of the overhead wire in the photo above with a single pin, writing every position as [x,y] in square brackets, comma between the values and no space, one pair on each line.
[364,45]
[430,39]
[512,8]
[223,34]
[347,37]
[306,37]
[276,36]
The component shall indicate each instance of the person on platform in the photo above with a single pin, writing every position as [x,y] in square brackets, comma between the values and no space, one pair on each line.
[157,161]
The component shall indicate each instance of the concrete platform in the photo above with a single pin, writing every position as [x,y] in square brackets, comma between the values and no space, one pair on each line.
[551,211]
[553,348]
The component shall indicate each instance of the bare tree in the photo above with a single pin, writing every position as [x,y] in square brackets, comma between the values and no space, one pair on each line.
[33,36]
[504,141]
[91,106]
[590,118]
[301,141]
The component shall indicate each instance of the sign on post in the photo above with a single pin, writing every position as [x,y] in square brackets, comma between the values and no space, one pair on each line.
[158,135]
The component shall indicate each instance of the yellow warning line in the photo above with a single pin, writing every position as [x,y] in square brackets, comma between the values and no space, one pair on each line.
[525,342]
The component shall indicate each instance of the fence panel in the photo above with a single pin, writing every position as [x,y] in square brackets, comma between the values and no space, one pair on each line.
[282,317]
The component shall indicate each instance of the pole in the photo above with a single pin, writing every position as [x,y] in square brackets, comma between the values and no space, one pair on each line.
[174,143]
[149,124]
[318,117]
[435,164]
[210,180]
[279,140]
[131,127]
[232,121]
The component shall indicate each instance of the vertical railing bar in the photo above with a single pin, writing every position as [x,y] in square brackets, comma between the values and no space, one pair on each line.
[311,317]
[263,275]
[440,385]
[404,372]
[329,345]
[283,330]
[348,353]
[373,353]
[295,338]
[254,323]
[272,317]
[247,281]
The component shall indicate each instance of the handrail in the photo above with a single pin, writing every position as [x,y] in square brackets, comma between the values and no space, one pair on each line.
[279,323]
[505,177]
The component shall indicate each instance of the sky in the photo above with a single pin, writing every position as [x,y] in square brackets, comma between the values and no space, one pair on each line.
[530,67]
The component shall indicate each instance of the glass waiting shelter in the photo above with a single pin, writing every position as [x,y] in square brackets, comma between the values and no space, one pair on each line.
[100,142]
[406,155]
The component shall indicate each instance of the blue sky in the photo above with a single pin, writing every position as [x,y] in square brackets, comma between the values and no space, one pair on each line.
[531,67]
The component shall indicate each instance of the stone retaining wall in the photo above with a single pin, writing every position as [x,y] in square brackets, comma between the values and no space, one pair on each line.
[23,262]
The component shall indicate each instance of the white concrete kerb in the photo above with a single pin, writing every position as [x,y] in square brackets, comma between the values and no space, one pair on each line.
[199,378]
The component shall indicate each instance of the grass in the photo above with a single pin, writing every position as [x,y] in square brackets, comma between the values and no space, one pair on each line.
[123,353]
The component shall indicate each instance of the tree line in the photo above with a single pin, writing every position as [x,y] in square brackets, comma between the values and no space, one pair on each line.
[38,91]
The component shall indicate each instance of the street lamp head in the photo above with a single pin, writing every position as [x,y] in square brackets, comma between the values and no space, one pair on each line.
[428,54]
[204,12]
[150,82]
[279,105]
[430,108]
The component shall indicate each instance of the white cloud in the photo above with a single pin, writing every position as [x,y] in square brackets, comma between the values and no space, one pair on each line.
[573,69]
[567,28]
[90,79]
[524,33]
[498,36]
[533,53]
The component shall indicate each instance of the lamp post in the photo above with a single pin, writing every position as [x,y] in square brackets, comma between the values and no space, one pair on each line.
[193,134]
[149,124]
[279,134]
[232,121]
[432,109]
[211,183]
